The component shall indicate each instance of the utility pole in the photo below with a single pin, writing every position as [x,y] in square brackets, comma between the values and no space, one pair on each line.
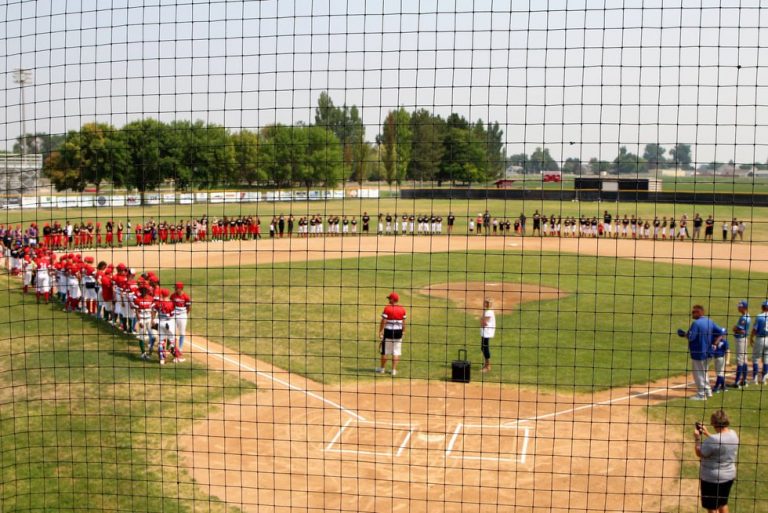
[23,77]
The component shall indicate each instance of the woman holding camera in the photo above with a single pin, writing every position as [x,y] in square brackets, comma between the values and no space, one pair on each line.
[717,453]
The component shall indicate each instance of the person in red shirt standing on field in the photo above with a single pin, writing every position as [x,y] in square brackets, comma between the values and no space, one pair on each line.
[165,324]
[182,305]
[391,331]
[144,306]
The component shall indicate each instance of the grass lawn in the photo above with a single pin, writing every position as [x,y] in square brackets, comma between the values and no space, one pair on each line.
[87,426]
[748,411]
[320,319]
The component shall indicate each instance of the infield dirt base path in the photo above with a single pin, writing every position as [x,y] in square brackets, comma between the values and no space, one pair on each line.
[740,255]
[394,445]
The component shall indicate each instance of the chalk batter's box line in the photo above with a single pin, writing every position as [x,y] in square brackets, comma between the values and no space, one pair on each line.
[522,454]
[411,428]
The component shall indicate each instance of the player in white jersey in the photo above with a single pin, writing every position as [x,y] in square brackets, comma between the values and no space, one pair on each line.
[43,279]
[182,305]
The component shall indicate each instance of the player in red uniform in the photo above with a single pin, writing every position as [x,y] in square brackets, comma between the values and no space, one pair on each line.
[165,325]
[182,305]
[144,306]
[391,330]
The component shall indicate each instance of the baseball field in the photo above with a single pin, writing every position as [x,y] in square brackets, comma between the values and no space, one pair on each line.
[278,407]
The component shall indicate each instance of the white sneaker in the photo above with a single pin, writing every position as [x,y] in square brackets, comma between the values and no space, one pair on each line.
[394,372]
[180,360]
[162,362]
[379,370]
[698,397]
[709,393]
[143,356]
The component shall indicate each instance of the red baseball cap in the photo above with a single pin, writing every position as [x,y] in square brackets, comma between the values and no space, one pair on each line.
[179,285]
[393,296]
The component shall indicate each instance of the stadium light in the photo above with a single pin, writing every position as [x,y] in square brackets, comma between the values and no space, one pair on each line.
[23,77]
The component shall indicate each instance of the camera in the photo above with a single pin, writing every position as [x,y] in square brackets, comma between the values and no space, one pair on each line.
[699,426]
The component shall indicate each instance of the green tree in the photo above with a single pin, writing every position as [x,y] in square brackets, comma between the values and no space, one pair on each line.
[246,147]
[427,135]
[518,160]
[628,163]
[396,141]
[325,162]
[496,153]
[572,165]
[103,155]
[680,155]
[464,157]
[541,160]
[63,166]
[283,154]
[600,166]
[150,163]
[654,156]
[346,123]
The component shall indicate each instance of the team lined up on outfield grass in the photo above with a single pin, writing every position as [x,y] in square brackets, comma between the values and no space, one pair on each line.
[112,233]
[133,303]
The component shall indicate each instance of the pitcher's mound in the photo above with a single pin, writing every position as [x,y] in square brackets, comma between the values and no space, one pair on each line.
[469,295]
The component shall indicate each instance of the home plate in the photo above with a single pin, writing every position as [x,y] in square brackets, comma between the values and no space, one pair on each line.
[431,437]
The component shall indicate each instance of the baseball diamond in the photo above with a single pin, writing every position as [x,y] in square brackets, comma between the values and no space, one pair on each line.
[361,256]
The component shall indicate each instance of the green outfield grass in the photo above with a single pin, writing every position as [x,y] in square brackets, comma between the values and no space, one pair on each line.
[87,426]
[699,184]
[320,318]
[748,411]
[756,217]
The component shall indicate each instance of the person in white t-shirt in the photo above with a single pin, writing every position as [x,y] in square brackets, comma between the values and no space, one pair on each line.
[487,331]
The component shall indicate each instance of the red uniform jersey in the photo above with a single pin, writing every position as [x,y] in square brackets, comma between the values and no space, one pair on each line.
[107,292]
[144,306]
[394,315]
[164,308]
[181,301]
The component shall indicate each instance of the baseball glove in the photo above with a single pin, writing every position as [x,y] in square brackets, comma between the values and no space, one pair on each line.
[681,332]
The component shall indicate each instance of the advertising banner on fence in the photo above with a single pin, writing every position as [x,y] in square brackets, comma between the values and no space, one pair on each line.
[250,197]
[13,202]
[231,197]
[117,201]
[46,202]
[169,198]
[85,202]
[286,195]
[102,201]
[67,201]
[186,198]
[201,197]
[28,202]
[151,198]
[216,197]
[133,200]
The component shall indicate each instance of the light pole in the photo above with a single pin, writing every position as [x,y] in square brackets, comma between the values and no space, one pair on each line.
[22,77]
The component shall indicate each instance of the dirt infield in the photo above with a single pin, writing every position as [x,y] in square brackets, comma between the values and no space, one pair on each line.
[469,295]
[296,445]
[742,256]
[393,445]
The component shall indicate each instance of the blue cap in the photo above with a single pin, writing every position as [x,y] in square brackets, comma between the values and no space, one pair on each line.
[723,331]
[765,304]
[743,303]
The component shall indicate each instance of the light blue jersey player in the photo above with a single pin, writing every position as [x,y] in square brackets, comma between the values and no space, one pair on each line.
[720,354]
[760,345]
[741,341]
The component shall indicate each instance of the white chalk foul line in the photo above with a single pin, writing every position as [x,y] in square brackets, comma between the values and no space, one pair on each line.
[279,381]
[595,405]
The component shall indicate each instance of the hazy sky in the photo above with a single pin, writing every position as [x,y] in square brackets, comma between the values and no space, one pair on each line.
[581,77]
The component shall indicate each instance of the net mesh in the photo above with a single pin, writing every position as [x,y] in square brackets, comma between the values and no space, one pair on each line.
[382,256]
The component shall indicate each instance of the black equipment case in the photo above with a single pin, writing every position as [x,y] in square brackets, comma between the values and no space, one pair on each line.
[460,369]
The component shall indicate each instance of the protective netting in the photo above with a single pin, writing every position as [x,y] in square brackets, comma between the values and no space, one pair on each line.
[383,256]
